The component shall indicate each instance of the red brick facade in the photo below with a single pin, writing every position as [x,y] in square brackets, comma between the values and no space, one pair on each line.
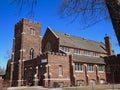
[113,68]
[52,40]
[37,61]
[27,40]
[1,84]
[44,70]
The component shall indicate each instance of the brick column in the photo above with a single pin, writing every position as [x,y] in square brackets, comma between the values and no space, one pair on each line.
[45,81]
[12,69]
[1,84]
[19,74]
[86,75]
[36,80]
[21,68]
[47,76]
[97,75]
[74,76]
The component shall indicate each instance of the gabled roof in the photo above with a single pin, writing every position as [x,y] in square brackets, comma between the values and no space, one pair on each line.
[80,43]
[88,59]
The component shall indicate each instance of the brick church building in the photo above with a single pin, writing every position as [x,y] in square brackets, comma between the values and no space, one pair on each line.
[57,58]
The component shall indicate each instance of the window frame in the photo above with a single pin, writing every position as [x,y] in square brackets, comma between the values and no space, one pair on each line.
[78,67]
[31,53]
[95,54]
[76,51]
[90,68]
[66,49]
[100,68]
[87,53]
[60,70]
[32,31]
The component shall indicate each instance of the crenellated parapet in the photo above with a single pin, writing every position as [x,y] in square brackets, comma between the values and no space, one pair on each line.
[112,60]
[28,22]
[53,53]
[113,56]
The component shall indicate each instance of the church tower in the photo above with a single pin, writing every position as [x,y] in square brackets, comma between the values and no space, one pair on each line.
[26,46]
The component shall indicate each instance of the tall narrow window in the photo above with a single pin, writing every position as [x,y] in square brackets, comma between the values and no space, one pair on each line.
[60,70]
[31,53]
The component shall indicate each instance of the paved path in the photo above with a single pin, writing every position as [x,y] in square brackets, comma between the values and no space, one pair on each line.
[32,88]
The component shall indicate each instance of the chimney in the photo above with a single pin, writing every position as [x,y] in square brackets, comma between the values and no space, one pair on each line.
[108,45]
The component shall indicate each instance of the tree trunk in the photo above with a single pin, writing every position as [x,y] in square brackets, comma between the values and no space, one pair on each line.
[114,11]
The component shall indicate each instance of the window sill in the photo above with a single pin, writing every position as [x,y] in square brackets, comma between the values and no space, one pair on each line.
[90,71]
[79,71]
[100,71]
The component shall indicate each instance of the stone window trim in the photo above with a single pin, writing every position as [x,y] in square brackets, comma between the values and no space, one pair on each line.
[40,36]
[12,62]
[12,53]
[74,76]
[23,33]
[47,65]
[24,60]
[79,71]
[100,71]
[50,73]
[22,50]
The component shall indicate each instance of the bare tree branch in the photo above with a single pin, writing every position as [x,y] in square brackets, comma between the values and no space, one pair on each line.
[21,4]
[88,12]
[91,12]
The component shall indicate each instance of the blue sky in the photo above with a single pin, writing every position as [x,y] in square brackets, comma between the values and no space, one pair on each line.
[46,13]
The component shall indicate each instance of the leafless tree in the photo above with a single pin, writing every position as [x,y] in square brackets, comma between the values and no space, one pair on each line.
[88,12]
[21,4]
[7,71]
[93,11]
[8,54]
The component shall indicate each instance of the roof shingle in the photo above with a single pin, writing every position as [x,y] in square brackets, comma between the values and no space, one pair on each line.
[88,59]
[81,43]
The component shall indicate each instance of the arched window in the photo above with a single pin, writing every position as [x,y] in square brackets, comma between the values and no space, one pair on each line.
[31,53]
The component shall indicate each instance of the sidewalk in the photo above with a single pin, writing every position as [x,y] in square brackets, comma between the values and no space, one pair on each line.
[32,88]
